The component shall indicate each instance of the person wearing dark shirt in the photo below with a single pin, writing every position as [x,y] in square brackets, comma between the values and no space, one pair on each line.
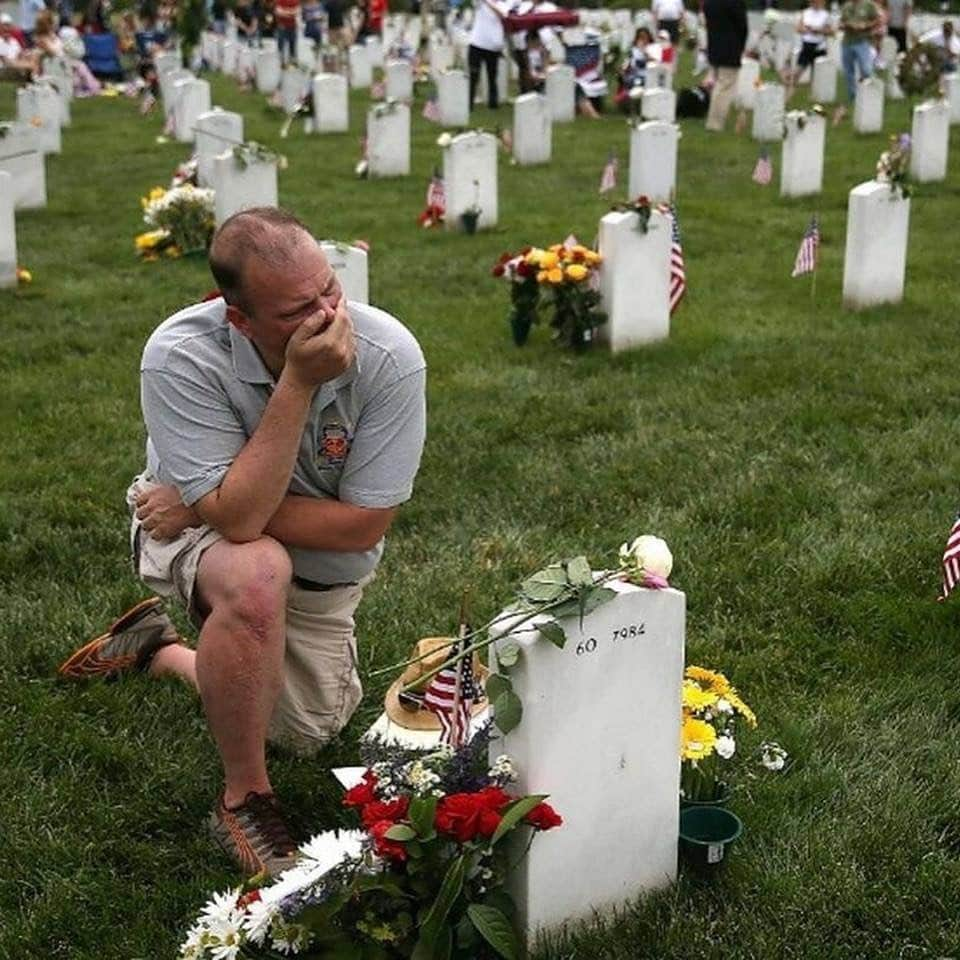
[726,38]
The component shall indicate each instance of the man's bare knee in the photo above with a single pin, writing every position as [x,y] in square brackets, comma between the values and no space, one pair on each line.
[247,582]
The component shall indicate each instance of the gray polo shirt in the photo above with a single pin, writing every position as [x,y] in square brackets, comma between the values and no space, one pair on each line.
[204,389]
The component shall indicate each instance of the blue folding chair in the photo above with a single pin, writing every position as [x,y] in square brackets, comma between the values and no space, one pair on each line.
[101,55]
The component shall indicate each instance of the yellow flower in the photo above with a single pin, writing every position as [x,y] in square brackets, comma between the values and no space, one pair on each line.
[549,260]
[555,275]
[593,257]
[697,739]
[714,682]
[150,239]
[576,271]
[695,698]
[542,276]
[24,275]
[733,698]
[557,248]
[172,252]
[533,257]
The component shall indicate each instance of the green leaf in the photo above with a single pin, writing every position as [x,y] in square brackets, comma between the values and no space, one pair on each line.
[546,585]
[515,813]
[502,901]
[508,653]
[579,572]
[466,934]
[421,813]
[432,926]
[496,685]
[507,711]
[496,929]
[552,631]
[595,597]
[401,832]
[569,608]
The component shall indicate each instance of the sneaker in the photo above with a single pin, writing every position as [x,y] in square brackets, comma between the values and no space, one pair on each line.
[129,644]
[255,835]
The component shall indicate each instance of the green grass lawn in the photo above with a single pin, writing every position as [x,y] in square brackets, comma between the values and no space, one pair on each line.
[800,460]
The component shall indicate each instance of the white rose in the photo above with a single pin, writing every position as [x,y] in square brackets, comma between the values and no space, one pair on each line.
[444,140]
[725,747]
[648,553]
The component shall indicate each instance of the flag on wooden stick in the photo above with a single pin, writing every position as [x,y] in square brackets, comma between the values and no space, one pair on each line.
[951,562]
[608,179]
[806,261]
[431,110]
[678,270]
[451,695]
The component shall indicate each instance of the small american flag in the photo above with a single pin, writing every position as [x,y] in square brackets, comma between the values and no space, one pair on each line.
[378,90]
[763,171]
[806,261]
[431,110]
[436,192]
[169,125]
[450,696]
[678,270]
[608,179]
[951,562]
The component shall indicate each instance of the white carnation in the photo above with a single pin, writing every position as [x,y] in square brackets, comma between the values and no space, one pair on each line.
[725,747]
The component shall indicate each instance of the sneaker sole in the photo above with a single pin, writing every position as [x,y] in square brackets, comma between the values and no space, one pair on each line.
[85,663]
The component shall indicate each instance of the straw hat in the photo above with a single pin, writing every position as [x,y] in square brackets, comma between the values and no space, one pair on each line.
[434,651]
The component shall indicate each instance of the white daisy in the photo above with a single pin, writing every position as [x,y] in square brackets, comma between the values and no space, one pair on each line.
[258,919]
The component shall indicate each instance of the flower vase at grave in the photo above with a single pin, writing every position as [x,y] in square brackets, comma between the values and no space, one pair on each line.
[706,834]
[470,219]
[720,798]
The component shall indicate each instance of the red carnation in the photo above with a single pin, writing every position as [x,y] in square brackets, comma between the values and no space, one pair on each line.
[524,269]
[383,845]
[363,793]
[392,810]
[543,817]
[245,899]
[493,798]
[498,270]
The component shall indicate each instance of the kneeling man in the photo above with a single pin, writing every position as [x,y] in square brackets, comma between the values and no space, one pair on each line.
[284,426]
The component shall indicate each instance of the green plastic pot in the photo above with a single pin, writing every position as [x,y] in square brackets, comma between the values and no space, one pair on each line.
[705,834]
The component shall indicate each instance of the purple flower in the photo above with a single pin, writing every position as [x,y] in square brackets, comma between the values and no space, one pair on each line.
[904,141]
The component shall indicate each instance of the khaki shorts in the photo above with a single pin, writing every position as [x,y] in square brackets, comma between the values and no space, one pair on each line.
[321,685]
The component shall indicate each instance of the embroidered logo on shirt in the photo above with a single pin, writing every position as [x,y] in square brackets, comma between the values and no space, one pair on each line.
[334,444]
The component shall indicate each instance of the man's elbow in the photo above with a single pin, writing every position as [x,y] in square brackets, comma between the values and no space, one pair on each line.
[236,529]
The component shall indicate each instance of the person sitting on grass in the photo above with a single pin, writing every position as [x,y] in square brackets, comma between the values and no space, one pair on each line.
[285,427]
[16,64]
[946,39]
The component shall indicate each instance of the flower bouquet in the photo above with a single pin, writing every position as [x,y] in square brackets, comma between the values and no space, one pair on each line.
[181,221]
[568,275]
[424,877]
[712,709]
[893,167]
[524,292]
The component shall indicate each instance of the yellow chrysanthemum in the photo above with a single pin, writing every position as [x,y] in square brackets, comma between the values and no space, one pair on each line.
[593,257]
[172,252]
[709,679]
[556,248]
[542,276]
[696,698]
[576,272]
[733,698]
[24,275]
[555,275]
[533,257]
[150,239]
[549,260]
[697,739]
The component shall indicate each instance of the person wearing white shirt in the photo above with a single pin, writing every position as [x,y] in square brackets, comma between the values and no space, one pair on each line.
[486,46]
[814,27]
[669,13]
[946,39]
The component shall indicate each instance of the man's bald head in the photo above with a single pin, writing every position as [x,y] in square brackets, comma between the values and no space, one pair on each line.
[266,234]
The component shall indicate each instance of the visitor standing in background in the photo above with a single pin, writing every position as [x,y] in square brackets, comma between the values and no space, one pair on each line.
[669,14]
[898,21]
[726,37]
[286,14]
[486,46]
[858,19]
[814,27]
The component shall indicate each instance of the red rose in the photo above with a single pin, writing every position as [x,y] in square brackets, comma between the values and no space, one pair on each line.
[524,269]
[383,845]
[643,200]
[362,793]
[497,271]
[392,810]
[543,817]
[466,816]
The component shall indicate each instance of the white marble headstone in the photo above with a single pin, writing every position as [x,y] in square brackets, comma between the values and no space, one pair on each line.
[58,72]
[228,59]
[653,161]
[470,178]
[388,140]
[349,263]
[239,187]
[22,158]
[747,81]
[293,88]
[8,232]
[246,62]
[360,68]
[601,735]
[268,68]
[823,87]
[951,90]
[331,103]
[441,58]
[768,113]
[561,92]
[374,47]
[453,98]
[532,129]
[166,62]
[801,166]
[191,99]
[39,106]
[635,261]
[660,104]
[868,106]
[399,80]
[216,131]
[875,261]
[930,141]
[659,75]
